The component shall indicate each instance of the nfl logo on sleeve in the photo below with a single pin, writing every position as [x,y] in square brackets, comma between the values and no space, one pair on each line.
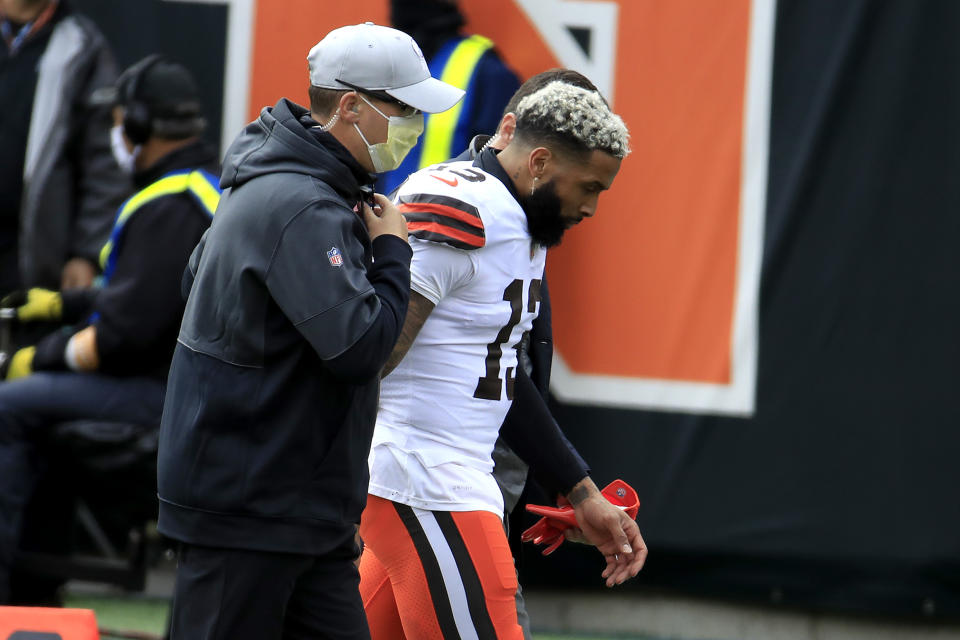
[335,257]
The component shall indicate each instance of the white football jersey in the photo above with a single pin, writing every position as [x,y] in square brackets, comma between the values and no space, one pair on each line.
[442,407]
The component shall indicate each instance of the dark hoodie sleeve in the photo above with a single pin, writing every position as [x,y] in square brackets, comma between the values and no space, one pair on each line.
[319,278]
[540,349]
[535,436]
[390,275]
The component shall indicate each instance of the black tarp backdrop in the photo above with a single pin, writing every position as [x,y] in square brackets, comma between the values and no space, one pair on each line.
[191,33]
[841,492]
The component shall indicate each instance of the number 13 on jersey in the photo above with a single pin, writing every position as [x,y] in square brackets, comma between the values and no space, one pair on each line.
[490,386]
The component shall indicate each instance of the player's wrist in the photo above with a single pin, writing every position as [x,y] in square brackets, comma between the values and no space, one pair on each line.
[582,491]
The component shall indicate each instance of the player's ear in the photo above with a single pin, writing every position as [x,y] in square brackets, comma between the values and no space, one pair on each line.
[539,161]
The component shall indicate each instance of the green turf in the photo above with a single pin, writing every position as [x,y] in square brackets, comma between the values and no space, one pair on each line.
[134,613]
[124,613]
[550,636]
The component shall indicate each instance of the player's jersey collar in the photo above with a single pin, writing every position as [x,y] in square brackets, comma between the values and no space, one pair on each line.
[487,160]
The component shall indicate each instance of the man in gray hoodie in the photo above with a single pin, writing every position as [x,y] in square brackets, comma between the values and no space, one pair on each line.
[296,298]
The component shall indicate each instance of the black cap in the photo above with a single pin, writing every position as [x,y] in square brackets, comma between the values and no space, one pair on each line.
[161,97]
[169,91]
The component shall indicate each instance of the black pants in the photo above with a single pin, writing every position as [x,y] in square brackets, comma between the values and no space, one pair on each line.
[233,594]
[30,407]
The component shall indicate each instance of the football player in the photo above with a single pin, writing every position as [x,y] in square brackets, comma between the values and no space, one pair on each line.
[436,562]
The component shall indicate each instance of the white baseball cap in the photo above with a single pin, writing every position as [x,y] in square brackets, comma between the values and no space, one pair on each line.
[377,58]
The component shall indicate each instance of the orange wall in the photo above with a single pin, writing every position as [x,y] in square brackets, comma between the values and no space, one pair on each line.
[646,288]
[283,34]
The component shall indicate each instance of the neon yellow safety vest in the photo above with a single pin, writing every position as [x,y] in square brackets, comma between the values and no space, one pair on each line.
[440,129]
[202,185]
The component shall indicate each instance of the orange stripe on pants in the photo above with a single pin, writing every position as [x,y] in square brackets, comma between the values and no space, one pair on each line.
[396,587]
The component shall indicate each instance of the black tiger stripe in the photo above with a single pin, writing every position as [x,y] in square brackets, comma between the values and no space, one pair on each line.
[445,221]
[476,601]
[438,591]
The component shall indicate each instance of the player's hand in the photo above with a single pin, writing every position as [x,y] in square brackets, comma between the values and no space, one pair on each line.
[610,530]
[384,218]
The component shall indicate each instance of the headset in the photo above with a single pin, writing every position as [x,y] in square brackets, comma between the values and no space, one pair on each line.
[136,117]
[138,122]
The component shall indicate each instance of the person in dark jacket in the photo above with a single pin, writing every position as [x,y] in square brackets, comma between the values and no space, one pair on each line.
[296,298]
[59,187]
[110,360]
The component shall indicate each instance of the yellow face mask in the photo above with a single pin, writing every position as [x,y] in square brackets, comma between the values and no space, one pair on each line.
[402,134]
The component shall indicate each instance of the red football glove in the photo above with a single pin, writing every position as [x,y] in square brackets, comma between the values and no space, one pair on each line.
[549,529]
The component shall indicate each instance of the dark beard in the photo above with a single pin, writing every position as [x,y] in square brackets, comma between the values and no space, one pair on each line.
[544,223]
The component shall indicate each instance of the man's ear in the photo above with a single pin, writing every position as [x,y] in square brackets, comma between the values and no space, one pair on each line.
[508,126]
[348,107]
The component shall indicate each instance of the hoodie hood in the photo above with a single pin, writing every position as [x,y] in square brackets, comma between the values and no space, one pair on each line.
[282,140]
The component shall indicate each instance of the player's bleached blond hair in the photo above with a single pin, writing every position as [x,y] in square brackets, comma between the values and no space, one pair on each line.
[574,117]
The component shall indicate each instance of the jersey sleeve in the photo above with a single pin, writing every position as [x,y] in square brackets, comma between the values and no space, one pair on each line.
[438,269]
[445,228]
[442,218]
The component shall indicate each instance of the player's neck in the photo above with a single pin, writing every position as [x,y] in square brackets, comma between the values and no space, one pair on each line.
[514,162]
